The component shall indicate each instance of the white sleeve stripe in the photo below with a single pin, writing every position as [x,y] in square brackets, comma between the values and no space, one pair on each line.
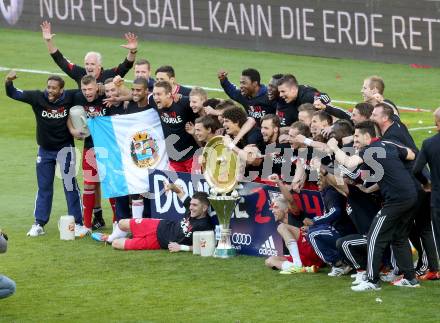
[326,214]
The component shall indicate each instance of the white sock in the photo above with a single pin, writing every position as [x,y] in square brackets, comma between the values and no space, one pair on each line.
[116,234]
[137,208]
[292,245]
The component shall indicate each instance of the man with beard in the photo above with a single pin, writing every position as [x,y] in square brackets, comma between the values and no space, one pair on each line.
[275,153]
[302,258]
[139,92]
[55,146]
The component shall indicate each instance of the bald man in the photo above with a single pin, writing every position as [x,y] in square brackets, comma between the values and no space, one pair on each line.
[92,60]
[429,154]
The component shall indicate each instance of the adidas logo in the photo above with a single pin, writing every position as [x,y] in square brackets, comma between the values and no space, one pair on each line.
[268,248]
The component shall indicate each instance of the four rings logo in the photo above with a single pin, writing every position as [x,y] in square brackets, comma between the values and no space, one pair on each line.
[242,239]
[11,12]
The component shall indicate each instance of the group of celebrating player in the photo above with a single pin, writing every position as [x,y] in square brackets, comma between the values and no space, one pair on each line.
[378,193]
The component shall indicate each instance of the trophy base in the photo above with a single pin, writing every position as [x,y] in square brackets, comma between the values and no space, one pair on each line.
[224,253]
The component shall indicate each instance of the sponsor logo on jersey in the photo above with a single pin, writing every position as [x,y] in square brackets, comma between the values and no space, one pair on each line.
[256,112]
[58,113]
[281,115]
[171,118]
[95,111]
[186,227]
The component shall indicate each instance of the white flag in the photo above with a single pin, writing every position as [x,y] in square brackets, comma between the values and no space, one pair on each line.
[126,147]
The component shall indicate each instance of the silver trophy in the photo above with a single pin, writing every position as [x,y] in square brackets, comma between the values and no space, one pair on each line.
[221,168]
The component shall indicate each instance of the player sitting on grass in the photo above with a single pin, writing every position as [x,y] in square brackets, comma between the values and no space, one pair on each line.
[302,256]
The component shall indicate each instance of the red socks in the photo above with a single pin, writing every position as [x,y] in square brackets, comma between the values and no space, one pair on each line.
[88,204]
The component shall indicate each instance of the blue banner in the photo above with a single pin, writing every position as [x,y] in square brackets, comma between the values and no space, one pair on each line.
[254,230]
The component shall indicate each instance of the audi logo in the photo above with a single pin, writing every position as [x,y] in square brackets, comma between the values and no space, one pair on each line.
[242,238]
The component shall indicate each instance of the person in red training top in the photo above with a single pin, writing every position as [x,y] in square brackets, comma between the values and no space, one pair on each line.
[302,257]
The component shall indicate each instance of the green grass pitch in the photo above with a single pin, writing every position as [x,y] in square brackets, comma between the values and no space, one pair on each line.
[83,281]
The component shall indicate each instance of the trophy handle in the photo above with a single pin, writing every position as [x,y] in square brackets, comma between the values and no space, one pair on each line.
[84,120]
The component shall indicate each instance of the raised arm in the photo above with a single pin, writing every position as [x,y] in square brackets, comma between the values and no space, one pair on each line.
[176,189]
[46,30]
[337,182]
[229,88]
[132,44]
[14,93]
[287,194]
[74,71]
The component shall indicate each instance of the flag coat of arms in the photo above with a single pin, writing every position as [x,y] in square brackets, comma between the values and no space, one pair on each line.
[126,147]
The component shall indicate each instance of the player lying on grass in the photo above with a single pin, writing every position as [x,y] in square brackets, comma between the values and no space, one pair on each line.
[153,234]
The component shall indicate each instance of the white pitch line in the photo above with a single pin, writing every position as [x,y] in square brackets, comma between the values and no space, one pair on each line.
[25,70]
[421,128]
